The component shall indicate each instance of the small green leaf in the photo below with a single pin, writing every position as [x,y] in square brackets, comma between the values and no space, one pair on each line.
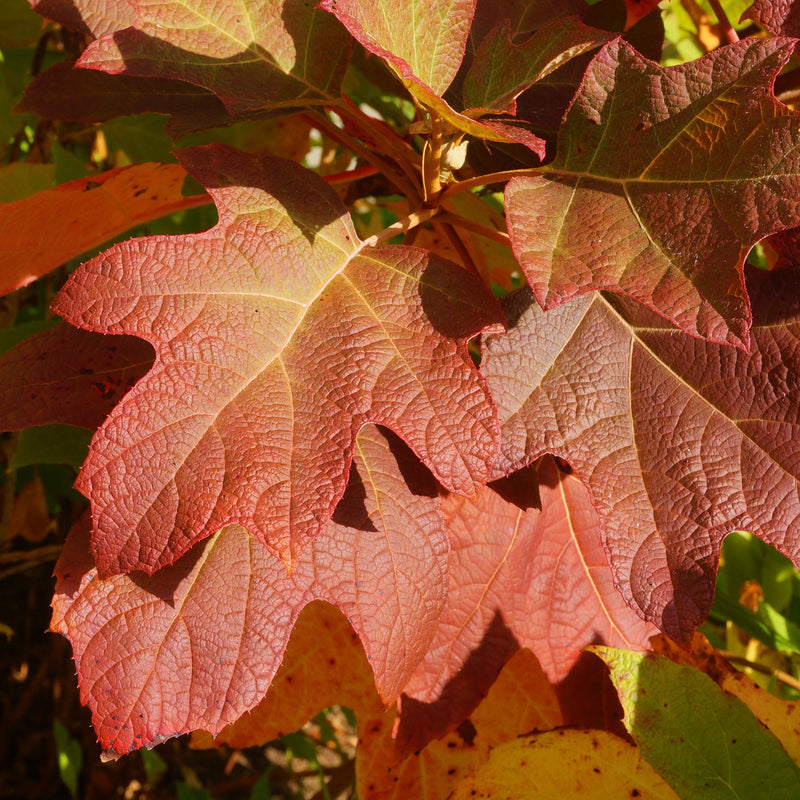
[51,444]
[70,757]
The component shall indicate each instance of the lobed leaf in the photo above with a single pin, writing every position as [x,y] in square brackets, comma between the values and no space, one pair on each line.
[198,644]
[518,577]
[679,440]
[251,53]
[277,338]
[781,17]
[663,180]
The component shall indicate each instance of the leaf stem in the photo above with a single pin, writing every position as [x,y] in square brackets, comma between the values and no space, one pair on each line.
[395,176]
[482,230]
[727,30]
[488,179]
[414,219]
[778,674]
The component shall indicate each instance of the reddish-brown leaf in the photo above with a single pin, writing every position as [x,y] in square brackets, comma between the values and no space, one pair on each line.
[277,336]
[67,375]
[503,69]
[251,53]
[777,16]
[424,42]
[663,180]
[519,577]
[41,232]
[679,440]
[197,644]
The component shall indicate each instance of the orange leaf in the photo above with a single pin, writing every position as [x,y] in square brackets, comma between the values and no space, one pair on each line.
[40,232]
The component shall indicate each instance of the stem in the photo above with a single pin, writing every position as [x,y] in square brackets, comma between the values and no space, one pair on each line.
[350,175]
[488,179]
[459,247]
[432,162]
[726,30]
[401,226]
[778,674]
[397,177]
[482,230]
[401,152]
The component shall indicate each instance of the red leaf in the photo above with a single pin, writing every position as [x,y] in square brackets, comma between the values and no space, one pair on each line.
[197,644]
[395,32]
[780,17]
[680,441]
[277,337]
[663,181]
[519,577]
[251,53]
[503,69]
[82,214]
[69,376]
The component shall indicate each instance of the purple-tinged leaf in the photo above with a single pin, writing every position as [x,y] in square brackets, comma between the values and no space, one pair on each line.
[680,441]
[663,180]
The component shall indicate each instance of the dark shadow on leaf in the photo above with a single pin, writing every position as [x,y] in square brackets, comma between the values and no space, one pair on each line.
[422,722]
[521,488]
[351,511]
[417,476]
[455,302]
[164,583]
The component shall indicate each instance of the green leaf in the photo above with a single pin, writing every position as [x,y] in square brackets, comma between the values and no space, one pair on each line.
[705,743]
[51,444]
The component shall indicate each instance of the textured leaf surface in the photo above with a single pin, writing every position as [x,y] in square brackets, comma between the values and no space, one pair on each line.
[680,441]
[777,16]
[663,180]
[69,376]
[568,763]
[92,17]
[277,337]
[503,69]
[41,232]
[251,53]
[197,644]
[520,577]
[425,43]
[722,752]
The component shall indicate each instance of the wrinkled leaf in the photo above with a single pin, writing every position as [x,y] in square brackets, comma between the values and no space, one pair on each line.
[92,17]
[41,232]
[519,577]
[250,53]
[705,743]
[777,16]
[680,441]
[226,609]
[277,337]
[663,180]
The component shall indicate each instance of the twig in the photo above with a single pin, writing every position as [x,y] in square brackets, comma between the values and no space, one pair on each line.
[778,674]
[727,30]
[402,226]
[487,180]
[459,247]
